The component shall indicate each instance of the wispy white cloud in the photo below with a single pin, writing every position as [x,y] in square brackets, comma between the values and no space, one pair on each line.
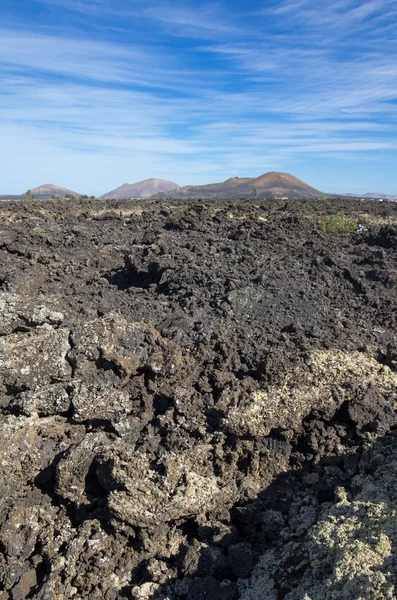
[339,15]
[204,20]
[242,91]
[94,61]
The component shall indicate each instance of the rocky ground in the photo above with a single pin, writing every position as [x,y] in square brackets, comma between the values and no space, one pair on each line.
[197,401]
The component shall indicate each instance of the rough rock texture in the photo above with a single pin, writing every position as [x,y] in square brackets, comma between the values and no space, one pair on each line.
[197,401]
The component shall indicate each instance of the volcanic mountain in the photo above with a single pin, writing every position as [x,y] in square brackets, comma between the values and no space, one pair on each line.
[48,189]
[269,185]
[142,189]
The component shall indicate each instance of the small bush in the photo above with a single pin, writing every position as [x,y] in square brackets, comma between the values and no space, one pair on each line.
[337,224]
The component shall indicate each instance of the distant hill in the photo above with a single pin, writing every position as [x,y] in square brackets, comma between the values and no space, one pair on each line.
[141,189]
[42,192]
[226,189]
[269,185]
[374,196]
[48,189]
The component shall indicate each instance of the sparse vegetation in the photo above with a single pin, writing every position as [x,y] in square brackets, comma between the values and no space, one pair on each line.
[337,224]
[29,195]
[377,220]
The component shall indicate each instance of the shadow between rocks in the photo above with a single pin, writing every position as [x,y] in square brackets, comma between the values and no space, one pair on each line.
[323,529]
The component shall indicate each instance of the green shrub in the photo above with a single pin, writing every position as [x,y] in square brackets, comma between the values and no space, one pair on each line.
[337,224]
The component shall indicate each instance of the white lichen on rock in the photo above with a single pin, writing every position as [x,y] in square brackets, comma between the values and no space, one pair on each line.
[347,553]
[285,406]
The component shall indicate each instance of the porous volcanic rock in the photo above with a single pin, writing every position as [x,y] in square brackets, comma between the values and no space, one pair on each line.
[197,401]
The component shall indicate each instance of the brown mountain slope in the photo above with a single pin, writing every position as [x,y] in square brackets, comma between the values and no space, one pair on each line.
[269,185]
[283,184]
[141,189]
[224,189]
[48,189]
[212,190]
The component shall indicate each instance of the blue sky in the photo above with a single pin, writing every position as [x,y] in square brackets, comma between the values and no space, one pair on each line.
[96,93]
